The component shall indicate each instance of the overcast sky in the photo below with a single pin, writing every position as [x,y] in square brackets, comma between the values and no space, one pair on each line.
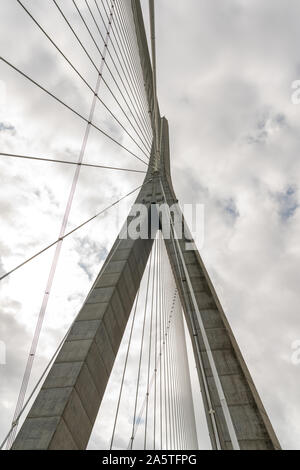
[225,74]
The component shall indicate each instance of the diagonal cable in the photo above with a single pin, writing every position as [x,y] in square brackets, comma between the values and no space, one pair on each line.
[71,231]
[52,160]
[79,74]
[70,108]
[55,260]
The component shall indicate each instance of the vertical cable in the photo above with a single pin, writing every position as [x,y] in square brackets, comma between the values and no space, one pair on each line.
[180,363]
[125,53]
[124,370]
[160,346]
[137,59]
[150,346]
[130,107]
[153,48]
[141,354]
[130,41]
[170,403]
[155,342]
[164,349]
[172,369]
[206,391]
[175,366]
[188,381]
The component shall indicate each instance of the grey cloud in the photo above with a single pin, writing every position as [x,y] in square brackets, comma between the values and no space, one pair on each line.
[288,203]
[266,125]
[6,127]
[230,208]
[91,254]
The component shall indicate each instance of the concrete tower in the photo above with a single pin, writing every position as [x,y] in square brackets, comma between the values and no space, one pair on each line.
[64,412]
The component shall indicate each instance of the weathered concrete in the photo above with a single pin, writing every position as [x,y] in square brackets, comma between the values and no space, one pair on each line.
[65,409]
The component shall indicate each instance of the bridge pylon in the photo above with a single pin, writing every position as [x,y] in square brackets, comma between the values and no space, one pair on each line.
[65,409]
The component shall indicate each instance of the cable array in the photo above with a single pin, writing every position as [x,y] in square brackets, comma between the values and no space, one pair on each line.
[115,69]
[161,406]
[162,413]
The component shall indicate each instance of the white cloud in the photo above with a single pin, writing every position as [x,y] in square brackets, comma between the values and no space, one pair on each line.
[225,70]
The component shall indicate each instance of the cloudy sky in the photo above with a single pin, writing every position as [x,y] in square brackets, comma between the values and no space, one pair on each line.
[225,74]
